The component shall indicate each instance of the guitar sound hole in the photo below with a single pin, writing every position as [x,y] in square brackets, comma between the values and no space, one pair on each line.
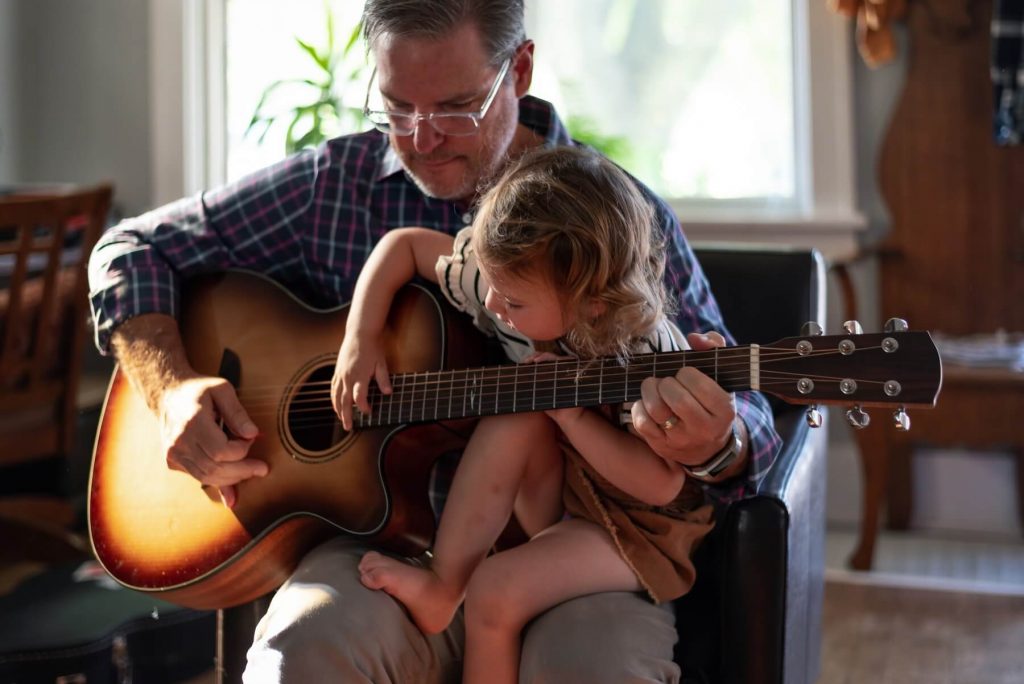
[312,423]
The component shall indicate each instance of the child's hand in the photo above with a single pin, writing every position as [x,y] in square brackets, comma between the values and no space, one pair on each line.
[359,359]
[561,416]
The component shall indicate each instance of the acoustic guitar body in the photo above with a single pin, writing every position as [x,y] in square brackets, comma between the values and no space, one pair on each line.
[159,530]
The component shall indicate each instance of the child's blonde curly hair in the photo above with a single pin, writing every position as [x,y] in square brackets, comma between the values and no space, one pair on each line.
[576,220]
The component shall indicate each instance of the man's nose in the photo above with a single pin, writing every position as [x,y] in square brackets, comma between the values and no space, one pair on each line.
[425,137]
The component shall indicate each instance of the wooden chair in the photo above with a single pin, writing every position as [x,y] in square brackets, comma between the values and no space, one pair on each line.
[45,242]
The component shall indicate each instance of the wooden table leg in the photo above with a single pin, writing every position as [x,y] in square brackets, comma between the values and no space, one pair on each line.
[1020,485]
[900,487]
[873,445]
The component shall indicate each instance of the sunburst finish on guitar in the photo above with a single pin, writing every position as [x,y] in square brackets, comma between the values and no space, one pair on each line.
[155,529]
[159,530]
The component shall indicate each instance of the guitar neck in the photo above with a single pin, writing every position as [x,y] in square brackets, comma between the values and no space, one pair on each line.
[564,383]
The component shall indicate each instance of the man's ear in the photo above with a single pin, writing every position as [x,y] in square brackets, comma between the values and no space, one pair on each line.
[522,68]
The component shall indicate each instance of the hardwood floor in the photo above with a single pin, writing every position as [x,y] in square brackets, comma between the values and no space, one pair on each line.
[887,635]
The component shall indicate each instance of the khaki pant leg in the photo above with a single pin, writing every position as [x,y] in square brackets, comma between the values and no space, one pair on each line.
[324,626]
[613,638]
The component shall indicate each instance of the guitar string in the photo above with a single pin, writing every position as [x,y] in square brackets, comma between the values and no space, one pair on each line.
[416,406]
[417,415]
[432,381]
[421,403]
[548,370]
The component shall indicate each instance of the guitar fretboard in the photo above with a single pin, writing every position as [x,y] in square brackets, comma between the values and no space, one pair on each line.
[563,383]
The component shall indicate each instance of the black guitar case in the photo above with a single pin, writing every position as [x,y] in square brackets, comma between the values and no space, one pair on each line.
[72,624]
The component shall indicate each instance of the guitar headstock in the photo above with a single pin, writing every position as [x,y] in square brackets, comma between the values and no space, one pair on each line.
[895,369]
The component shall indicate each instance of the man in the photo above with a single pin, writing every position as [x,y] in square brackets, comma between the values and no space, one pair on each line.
[451,79]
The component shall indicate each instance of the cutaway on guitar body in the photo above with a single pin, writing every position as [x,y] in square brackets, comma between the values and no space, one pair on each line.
[159,530]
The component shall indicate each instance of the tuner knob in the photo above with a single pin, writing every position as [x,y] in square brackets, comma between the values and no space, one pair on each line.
[814,416]
[858,418]
[811,329]
[900,419]
[895,325]
[853,327]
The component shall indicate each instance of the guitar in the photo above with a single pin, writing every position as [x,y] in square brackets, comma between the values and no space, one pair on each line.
[158,530]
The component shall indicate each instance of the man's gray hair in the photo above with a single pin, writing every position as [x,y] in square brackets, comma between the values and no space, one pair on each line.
[500,22]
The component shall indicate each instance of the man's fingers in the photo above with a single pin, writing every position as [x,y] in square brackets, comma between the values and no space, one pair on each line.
[231,411]
[708,340]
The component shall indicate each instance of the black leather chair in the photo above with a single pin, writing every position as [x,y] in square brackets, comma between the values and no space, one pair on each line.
[755,613]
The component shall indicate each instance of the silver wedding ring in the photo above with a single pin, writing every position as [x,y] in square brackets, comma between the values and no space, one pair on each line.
[670,423]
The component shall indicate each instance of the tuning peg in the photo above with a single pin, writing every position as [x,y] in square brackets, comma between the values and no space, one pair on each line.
[814,416]
[811,329]
[896,325]
[853,327]
[900,419]
[858,418]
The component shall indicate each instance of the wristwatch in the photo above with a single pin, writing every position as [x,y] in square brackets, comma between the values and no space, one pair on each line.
[718,463]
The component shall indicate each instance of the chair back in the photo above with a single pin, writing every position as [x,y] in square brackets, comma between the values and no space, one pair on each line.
[45,242]
[765,293]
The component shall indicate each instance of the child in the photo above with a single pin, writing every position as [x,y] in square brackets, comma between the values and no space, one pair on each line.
[563,256]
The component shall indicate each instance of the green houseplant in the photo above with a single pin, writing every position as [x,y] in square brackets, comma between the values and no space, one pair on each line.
[322,113]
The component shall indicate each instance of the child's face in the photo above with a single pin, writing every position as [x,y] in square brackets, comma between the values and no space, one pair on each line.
[528,304]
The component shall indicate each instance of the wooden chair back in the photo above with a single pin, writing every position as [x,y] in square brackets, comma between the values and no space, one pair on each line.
[45,241]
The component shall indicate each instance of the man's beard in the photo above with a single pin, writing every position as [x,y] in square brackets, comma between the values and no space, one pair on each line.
[489,163]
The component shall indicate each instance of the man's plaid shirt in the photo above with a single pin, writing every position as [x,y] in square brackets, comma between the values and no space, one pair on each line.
[310,221]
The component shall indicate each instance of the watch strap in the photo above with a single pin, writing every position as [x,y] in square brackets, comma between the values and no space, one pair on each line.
[720,461]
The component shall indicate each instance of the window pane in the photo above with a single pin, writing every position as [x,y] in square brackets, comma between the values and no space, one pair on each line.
[261,49]
[696,96]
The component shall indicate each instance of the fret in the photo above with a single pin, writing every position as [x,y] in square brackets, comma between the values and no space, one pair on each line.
[576,384]
[437,394]
[401,401]
[600,383]
[451,391]
[533,406]
[497,390]
[515,388]
[716,364]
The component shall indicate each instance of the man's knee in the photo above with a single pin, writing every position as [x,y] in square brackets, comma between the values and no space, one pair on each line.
[324,625]
[612,637]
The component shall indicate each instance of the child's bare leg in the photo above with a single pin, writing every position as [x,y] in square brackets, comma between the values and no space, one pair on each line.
[570,559]
[498,462]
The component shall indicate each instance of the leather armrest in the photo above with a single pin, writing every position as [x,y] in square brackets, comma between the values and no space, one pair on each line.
[759,574]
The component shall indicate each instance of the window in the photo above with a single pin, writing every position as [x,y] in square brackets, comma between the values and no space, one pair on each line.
[736,111]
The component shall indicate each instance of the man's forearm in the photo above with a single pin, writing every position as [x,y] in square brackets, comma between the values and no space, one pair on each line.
[150,352]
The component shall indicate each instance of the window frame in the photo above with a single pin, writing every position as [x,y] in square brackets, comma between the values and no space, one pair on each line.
[189,127]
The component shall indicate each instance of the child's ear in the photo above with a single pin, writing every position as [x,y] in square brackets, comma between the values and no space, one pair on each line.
[596,308]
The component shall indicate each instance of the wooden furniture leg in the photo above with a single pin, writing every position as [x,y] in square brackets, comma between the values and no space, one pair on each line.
[900,491]
[1020,484]
[872,443]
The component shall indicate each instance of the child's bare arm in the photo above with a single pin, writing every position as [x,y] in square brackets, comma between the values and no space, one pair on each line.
[623,459]
[401,254]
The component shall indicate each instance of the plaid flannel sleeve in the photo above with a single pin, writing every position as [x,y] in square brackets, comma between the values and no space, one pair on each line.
[136,266]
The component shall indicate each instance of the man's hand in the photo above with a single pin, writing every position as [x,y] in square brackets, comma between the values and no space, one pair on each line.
[207,434]
[194,410]
[688,417]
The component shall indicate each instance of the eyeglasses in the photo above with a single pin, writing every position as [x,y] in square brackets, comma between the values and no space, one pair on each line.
[445,123]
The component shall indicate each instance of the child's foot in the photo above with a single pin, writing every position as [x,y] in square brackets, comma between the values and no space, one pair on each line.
[428,600]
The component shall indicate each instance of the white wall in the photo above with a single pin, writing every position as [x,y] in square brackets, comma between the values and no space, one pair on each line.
[8,109]
[81,95]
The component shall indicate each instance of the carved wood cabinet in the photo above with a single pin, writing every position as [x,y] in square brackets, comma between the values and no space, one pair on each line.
[953,260]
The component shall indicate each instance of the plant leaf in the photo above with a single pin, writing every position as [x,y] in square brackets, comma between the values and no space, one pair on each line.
[311,51]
